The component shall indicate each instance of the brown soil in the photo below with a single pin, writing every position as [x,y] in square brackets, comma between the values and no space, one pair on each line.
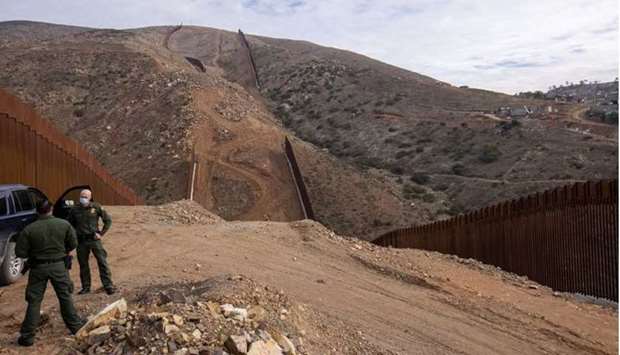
[243,175]
[386,300]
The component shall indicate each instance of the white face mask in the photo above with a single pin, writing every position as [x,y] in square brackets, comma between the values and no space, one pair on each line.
[84,201]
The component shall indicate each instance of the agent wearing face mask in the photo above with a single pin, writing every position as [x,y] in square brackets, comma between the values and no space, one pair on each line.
[85,219]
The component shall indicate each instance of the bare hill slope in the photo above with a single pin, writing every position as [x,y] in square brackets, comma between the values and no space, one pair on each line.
[425,132]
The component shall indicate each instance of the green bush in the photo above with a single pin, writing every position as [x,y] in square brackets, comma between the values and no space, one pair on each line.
[412,192]
[489,153]
[402,154]
[456,210]
[397,170]
[458,169]
[428,197]
[420,178]
[442,187]
[611,117]
[413,189]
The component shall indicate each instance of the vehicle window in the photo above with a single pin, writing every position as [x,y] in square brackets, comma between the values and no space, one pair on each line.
[11,205]
[3,206]
[36,196]
[23,201]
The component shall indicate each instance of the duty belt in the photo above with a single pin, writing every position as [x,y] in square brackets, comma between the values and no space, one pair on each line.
[83,237]
[34,262]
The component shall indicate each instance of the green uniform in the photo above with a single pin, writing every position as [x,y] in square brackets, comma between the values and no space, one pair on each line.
[85,220]
[45,243]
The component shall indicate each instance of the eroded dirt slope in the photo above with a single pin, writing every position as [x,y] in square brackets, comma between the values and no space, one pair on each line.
[350,296]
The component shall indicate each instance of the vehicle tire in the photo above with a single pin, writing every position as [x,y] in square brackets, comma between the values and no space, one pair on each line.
[11,268]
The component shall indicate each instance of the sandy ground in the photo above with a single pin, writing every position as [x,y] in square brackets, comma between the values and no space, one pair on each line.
[400,301]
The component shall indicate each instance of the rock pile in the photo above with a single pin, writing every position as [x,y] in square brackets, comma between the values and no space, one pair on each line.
[184,212]
[231,315]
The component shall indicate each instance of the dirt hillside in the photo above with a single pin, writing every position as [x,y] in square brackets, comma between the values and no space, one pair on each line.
[144,100]
[442,145]
[344,296]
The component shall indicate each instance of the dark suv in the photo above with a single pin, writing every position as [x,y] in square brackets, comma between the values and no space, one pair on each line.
[17,210]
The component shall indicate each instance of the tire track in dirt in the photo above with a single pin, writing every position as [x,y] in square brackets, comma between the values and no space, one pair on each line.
[220,157]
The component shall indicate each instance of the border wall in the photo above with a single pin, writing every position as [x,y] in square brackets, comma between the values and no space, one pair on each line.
[300,185]
[33,152]
[565,238]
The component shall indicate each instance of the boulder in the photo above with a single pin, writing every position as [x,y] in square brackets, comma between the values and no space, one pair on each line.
[262,347]
[178,320]
[182,338]
[172,346]
[236,344]
[99,335]
[214,309]
[285,343]
[115,310]
[257,313]
[230,311]
[171,329]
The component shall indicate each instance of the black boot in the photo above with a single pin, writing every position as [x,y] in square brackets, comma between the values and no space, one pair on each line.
[82,324]
[84,291]
[25,341]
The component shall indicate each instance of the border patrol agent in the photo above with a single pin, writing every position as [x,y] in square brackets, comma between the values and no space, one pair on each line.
[85,219]
[47,243]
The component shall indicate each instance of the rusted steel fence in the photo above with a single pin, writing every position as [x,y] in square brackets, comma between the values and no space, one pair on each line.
[246,45]
[169,35]
[33,152]
[565,238]
[302,191]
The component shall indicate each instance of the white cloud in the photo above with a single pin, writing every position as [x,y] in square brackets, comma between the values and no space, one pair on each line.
[500,45]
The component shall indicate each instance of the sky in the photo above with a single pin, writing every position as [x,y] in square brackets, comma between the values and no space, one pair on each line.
[502,45]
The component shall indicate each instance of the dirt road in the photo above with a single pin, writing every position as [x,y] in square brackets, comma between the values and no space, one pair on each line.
[400,301]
